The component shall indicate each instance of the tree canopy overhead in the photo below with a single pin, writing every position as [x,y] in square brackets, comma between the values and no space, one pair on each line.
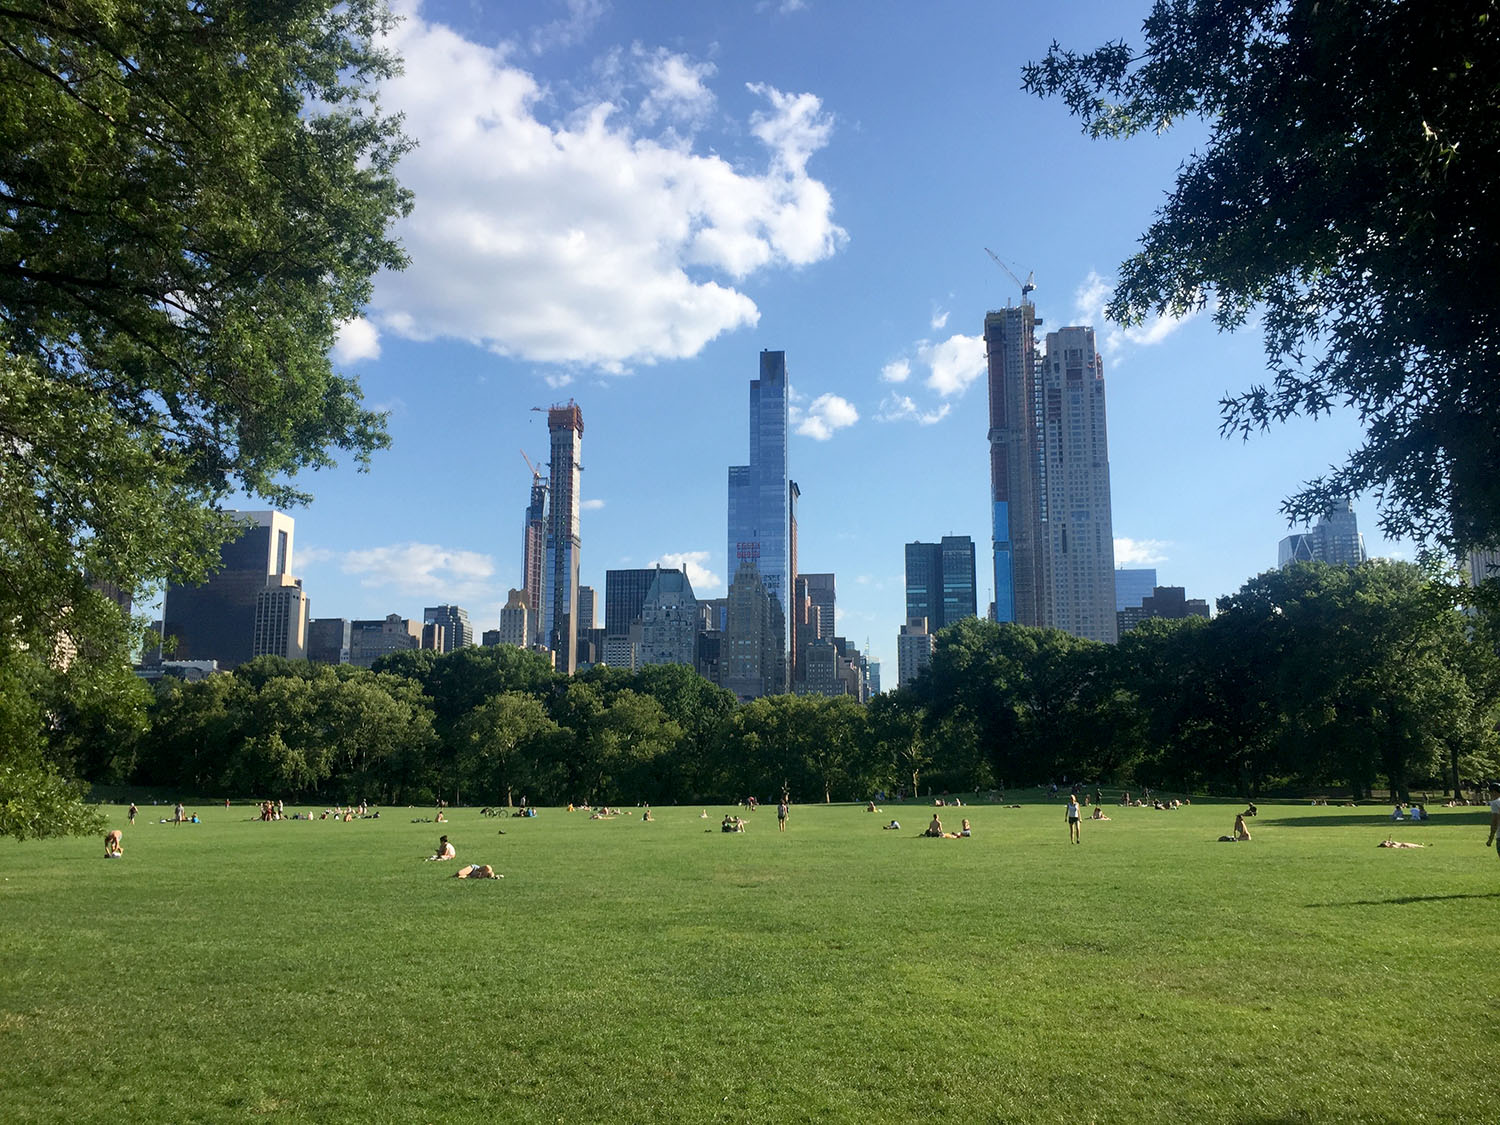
[194,196]
[1350,190]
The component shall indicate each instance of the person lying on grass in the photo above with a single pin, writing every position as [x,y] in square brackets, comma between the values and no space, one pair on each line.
[476,871]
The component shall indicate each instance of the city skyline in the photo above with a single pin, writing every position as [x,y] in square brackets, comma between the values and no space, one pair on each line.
[758,133]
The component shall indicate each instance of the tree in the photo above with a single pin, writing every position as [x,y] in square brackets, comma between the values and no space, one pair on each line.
[1348,191]
[502,744]
[193,198]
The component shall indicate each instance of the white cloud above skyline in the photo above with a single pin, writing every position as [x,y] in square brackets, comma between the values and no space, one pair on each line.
[695,565]
[954,363]
[1140,552]
[1089,300]
[901,408]
[579,238]
[824,416]
[590,505]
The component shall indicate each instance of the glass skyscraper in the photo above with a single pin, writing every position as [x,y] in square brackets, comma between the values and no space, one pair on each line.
[940,581]
[565,425]
[760,512]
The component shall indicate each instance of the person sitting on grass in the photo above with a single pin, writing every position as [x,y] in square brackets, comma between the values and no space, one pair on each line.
[965,831]
[444,851]
[935,829]
[647,814]
[476,871]
[894,824]
[1099,813]
[1240,831]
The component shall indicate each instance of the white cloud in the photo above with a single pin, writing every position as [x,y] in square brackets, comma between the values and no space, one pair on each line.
[939,319]
[571,29]
[422,568]
[1088,306]
[590,505]
[573,239]
[900,408]
[1140,552]
[357,339]
[695,565]
[675,88]
[897,371]
[824,415]
[955,363]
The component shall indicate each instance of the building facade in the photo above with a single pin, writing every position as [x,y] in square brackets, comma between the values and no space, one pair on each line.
[760,508]
[564,543]
[457,631]
[1015,462]
[914,647]
[534,556]
[370,640]
[1170,602]
[515,620]
[1053,529]
[1133,586]
[281,616]
[669,621]
[328,640]
[1077,522]
[940,581]
[1334,539]
[216,620]
[752,662]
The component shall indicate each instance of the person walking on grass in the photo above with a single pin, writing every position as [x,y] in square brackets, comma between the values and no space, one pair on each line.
[1074,831]
[1494,815]
[133,811]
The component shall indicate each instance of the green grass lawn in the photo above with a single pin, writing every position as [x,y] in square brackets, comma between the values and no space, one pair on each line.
[665,971]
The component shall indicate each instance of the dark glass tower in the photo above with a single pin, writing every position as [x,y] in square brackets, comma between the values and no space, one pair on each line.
[940,581]
[565,424]
[760,505]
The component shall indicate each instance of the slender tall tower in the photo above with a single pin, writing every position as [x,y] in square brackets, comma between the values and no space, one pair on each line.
[565,424]
[760,507]
[1016,464]
[534,558]
[1077,524]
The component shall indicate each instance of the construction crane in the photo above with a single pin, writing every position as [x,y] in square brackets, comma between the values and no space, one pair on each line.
[536,474]
[1027,286]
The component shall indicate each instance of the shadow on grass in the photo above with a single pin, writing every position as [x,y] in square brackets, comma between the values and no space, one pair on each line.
[1362,818]
[1403,900]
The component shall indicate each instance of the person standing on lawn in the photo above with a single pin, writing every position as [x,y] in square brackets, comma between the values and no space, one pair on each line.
[1074,831]
[781,811]
[1494,815]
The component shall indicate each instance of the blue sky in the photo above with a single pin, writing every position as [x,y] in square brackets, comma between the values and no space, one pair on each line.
[624,203]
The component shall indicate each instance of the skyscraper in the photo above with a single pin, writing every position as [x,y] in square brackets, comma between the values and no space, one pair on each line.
[457,631]
[534,558]
[565,425]
[1133,586]
[1053,531]
[821,588]
[515,621]
[281,619]
[913,650]
[216,620]
[669,621]
[1077,536]
[940,581]
[760,508]
[1333,539]
[1015,462]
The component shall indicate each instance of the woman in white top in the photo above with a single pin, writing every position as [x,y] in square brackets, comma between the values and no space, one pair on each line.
[1074,831]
